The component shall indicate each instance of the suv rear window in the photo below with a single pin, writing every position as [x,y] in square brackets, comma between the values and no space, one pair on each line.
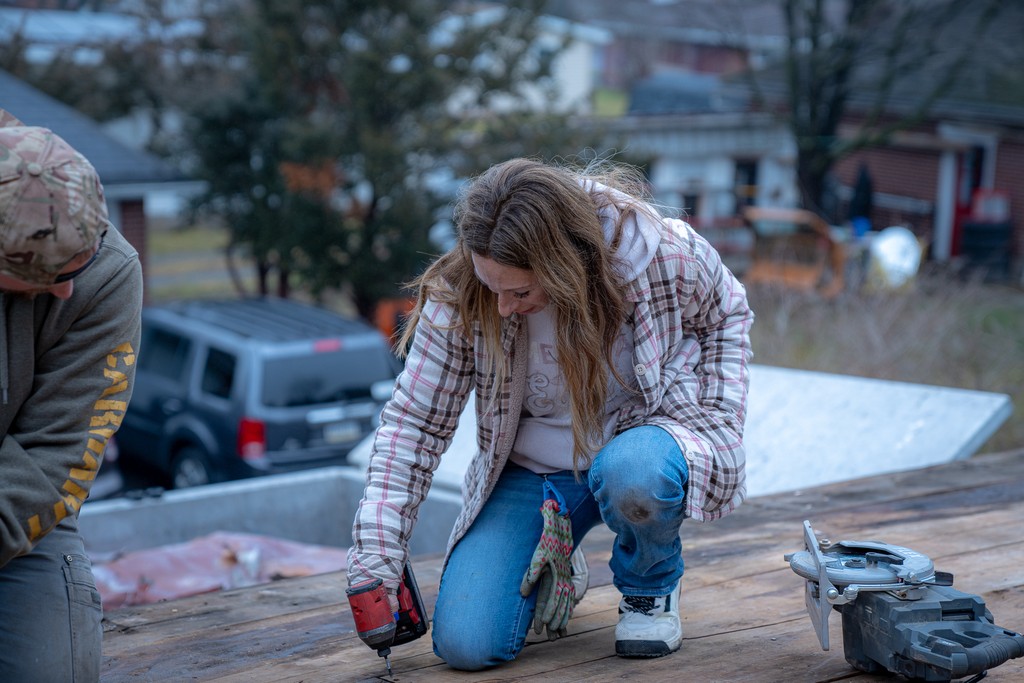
[323,377]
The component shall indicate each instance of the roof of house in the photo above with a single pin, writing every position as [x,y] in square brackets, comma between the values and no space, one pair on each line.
[681,92]
[116,163]
[744,611]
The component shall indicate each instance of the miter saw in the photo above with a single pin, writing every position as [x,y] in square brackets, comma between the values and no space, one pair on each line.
[899,614]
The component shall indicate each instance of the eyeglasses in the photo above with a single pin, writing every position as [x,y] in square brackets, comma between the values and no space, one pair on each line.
[64,277]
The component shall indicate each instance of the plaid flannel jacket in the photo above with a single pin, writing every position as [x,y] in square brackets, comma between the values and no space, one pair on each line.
[691,352]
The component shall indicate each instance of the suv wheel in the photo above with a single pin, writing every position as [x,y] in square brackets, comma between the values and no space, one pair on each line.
[190,468]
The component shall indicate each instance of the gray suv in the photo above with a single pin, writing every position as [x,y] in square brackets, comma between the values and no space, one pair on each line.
[229,389]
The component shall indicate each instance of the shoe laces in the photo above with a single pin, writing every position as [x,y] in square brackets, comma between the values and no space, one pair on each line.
[640,604]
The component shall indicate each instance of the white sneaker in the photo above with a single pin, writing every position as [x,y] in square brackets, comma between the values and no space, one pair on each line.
[648,627]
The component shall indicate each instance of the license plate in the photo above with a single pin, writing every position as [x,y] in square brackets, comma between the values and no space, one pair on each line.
[341,432]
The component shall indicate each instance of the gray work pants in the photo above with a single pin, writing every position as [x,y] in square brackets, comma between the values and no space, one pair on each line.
[50,613]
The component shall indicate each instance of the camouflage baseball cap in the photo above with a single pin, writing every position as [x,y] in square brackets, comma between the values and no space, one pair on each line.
[51,203]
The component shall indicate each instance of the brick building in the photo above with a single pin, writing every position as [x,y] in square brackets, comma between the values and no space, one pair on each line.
[956,181]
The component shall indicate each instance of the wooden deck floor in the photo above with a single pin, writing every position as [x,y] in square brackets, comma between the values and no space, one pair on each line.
[743,612]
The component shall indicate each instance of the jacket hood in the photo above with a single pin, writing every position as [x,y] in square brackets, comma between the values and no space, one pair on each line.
[641,229]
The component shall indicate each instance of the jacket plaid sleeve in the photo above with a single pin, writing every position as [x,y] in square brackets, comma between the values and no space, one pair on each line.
[416,428]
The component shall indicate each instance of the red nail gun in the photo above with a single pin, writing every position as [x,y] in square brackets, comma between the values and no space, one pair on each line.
[376,625]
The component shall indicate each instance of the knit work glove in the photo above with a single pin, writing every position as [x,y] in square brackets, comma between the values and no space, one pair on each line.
[551,572]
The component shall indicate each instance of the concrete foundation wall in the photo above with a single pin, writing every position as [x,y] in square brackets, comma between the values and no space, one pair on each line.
[315,506]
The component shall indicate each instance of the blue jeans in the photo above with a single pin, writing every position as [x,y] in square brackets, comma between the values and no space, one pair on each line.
[636,485]
[50,613]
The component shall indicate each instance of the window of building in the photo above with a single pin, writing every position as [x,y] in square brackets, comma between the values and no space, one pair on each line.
[745,184]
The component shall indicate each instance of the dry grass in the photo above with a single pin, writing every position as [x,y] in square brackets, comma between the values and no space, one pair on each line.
[189,263]
[945,331]
[173,239]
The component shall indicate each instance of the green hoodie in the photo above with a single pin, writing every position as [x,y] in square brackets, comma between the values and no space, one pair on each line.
[67,369]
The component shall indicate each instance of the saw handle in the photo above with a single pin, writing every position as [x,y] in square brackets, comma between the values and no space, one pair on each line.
[999,648]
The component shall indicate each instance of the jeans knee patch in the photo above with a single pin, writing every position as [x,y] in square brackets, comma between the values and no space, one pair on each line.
[636,509]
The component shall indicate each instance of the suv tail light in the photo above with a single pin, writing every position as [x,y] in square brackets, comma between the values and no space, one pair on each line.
[252,438]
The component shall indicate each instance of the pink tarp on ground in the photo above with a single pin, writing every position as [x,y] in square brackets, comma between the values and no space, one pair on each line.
[218,561]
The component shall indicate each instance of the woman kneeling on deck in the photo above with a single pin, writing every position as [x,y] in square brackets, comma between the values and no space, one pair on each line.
[608,348]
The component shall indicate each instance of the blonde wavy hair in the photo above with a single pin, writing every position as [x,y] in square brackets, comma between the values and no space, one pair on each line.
[539,217]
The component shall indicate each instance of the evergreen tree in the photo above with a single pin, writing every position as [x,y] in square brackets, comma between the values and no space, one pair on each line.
[334,122]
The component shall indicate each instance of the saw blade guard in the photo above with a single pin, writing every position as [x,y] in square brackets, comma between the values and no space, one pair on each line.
[865,563]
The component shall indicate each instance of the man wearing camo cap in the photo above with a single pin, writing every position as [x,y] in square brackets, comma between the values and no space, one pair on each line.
[71,296]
